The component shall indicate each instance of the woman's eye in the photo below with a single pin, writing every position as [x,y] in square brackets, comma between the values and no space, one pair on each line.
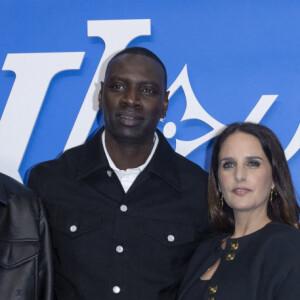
[228,165]
[254,163]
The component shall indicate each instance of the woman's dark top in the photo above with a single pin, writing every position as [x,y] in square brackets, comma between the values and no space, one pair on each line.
[264,265]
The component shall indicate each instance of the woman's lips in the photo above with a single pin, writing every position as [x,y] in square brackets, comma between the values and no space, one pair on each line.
[240,191]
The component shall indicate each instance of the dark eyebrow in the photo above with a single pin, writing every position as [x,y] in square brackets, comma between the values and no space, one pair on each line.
[142,83]
[116,78]
[248,158]
[254,157]
[227,158]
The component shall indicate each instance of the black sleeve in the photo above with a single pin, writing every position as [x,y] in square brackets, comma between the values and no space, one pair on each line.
[290,287]
[45,276]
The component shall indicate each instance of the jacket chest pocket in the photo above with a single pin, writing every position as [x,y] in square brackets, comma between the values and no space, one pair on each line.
[18,269]
[169,245]
[74,234]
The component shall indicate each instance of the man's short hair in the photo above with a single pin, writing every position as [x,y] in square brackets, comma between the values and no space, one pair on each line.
[140,51]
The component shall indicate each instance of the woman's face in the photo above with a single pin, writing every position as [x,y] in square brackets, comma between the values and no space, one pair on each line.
[245,173]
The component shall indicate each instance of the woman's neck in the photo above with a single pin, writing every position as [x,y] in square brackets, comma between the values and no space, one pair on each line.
[247,223]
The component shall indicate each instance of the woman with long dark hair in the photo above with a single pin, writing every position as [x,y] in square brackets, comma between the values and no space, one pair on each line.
[252,204]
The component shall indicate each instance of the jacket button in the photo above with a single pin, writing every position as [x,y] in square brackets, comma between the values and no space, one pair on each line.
[116,289]
[171,238]
[123,208]
[234,245]
[230,256]
[109,173]
[73,228]
[212,289]
[119,249]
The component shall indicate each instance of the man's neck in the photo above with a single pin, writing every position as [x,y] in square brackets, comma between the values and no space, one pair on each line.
[126,154]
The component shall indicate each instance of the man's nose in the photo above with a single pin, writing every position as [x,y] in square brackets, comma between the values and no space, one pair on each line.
[131,97]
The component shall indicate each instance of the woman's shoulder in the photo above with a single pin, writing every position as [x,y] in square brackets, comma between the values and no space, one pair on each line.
[280,230]
[283,238]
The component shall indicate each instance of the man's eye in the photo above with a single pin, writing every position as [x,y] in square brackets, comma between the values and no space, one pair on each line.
[148,90]
[117,87]
[253,163]
[228,164]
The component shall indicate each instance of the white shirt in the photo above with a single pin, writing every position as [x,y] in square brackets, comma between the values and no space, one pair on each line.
[128,176]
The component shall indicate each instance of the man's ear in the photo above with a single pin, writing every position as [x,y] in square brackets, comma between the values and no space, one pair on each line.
[100,95]
[165,104]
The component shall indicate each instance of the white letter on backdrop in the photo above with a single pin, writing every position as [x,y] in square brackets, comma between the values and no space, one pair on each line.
[116,34]
[194,110]
[294,145]
[34,72]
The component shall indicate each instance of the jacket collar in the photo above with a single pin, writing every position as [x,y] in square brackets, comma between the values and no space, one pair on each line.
[92,156]
[3,197]
[164,162]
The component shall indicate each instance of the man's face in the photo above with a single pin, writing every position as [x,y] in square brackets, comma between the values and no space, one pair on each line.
[133,97]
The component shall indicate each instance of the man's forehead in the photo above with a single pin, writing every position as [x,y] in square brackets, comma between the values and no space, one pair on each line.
[134,63]
[132,58]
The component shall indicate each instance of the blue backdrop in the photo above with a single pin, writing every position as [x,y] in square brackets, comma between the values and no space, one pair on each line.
[223,59]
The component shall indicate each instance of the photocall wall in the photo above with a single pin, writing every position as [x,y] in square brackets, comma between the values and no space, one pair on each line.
[227,61]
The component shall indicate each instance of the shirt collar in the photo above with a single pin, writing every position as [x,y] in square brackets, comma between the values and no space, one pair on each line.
[164,162]
[137,169]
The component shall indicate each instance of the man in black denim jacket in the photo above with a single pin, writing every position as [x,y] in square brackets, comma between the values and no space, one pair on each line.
[126,211]
[25,248]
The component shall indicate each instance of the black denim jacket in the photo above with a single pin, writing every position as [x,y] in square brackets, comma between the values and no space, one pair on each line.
[109,244]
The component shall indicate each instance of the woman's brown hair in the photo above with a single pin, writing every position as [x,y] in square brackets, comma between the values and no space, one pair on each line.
[284,207]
